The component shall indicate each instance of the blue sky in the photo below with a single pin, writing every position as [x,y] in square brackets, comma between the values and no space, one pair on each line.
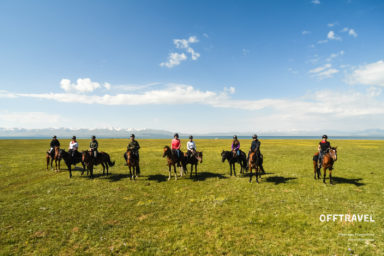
[193,66]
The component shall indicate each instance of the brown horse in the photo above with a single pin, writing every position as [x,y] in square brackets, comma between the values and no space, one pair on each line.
[102,158]
[329,159]
[194,159]
[254,163]
[172,159]
[54,157]
[132,163]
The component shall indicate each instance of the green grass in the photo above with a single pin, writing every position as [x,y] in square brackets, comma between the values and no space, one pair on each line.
[45,213]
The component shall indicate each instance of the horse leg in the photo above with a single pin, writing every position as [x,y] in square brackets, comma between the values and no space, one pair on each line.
[234,169]
[330,177]
[169,167]
[47,160]
[130,172]
[70,171]
[325,174]
[190,175]
[106,165]
[230,168]
[315,169]
[196,170]
[59,164]
[174,168]
[257,174]
[250,174]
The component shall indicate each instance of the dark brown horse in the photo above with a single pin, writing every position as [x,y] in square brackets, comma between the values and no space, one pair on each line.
[194,159]
[102,158]
[254,163]
[172,160]
[133,164]
[54,156]
[329,159]
[70,160]
[241,159]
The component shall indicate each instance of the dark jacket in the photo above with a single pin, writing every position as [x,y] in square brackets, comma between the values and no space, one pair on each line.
[55,143]
[324,146]
[133,145]
[255,146]
[94,145]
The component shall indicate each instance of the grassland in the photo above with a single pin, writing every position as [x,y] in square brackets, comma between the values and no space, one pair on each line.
[46,213]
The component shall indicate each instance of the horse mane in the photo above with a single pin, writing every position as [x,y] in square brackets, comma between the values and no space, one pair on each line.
[167,147]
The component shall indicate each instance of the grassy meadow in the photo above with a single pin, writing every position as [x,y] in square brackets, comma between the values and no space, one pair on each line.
[47,213]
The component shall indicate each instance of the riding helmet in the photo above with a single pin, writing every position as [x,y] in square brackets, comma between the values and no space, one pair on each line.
[93,137]
[325,136]
[54,137]
[191,137]
[235,137]
[132,135]
[74,137]
[254,136]
[176,134]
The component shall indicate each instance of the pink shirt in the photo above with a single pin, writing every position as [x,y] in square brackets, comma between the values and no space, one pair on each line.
[175,144]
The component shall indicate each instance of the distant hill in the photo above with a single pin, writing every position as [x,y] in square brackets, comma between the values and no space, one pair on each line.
[153,133]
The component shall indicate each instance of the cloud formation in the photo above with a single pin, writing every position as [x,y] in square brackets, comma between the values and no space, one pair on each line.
[175,59]
[332,36]
[322,72]
[369,74]
[81,85]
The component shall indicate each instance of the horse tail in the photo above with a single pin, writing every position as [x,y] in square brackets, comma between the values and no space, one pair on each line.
[109,160]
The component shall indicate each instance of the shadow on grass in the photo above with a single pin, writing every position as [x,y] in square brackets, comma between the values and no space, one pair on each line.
[348,181]
[278,179]
[247,174]
[159,177]
[118,177]
[201,176]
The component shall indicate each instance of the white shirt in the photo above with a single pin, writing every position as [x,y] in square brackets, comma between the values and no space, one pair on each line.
[73,145]
[191,145]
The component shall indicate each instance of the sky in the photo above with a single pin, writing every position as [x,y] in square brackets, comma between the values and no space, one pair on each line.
[193,66]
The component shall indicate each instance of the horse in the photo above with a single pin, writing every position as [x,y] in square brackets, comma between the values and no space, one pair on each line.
[329,159]
[254,162]
[194,159]
[102,158]
[53,156]
[172,159]
[72,160]
[133,164]
[242,160]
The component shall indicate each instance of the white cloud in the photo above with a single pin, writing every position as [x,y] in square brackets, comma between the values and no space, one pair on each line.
[335,55]
[332,36]
[82,85]
[174,59]
[305,32]
[331,25]
[29,119]
[352,32]
[107,86]
[316,1]
[370,74]
[323,72]
[322,41]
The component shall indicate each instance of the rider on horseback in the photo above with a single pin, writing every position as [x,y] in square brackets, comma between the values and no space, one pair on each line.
[235,146]
[134,147]
[255,147]
[93,146]
[54,143]
[191,147]
[176,147]
[323,148]
[73,147]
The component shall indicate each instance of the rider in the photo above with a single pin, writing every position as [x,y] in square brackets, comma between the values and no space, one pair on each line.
[235,146]
[134,147]
[176,147]
[323,148]
[191,147]
[255,147]
[93,146]
[73,146]
[54,143]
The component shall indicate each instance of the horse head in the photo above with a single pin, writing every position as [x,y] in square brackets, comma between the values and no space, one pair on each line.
[166,151]
[199,156]
[224,155]
[333,153]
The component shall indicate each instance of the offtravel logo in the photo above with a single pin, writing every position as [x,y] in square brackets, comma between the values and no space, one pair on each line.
[346,218]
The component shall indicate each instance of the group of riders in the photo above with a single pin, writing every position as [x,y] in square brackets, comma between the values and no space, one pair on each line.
[133,146]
